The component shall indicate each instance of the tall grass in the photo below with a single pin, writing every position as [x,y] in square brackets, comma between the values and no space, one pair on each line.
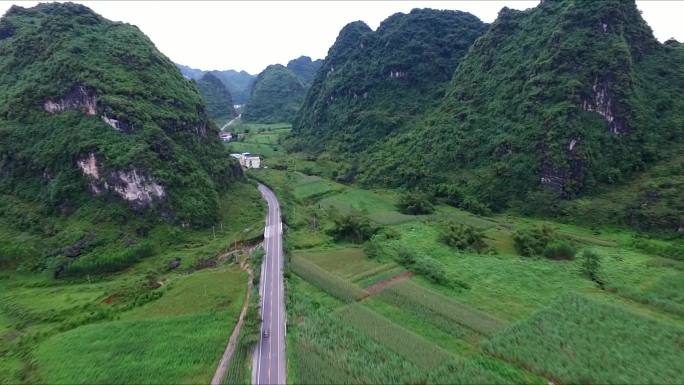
[407,292]
[578,340]
[329,283]
[402,341]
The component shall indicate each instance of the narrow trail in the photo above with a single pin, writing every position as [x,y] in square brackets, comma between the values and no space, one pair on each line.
[232,341]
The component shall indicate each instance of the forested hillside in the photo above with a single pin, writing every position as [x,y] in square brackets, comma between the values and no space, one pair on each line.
[277,95]
[561,100]
[98,127]
[374,83]
[216,96]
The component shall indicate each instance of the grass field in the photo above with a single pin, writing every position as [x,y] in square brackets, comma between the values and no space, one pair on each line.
[146,323]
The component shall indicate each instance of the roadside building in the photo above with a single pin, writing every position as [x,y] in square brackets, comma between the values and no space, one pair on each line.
[248,160]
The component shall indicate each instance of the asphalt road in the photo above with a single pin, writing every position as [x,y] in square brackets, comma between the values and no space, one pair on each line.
[269,356]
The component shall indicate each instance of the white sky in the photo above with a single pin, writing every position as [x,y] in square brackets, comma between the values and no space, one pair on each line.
[246,35]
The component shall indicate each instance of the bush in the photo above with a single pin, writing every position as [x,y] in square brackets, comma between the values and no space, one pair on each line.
[464,237]
[591,266]
[353,227]
[426,266]
[533,241]
[560,250]
[415,204]
[103,263]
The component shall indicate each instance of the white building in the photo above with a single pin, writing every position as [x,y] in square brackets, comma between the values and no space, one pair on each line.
[248,160]
[226,136]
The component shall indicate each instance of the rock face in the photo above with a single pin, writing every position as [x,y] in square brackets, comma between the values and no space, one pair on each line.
[133,186]
[79,98]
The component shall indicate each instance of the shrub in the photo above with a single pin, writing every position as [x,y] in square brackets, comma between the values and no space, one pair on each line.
[533,241]
[560,250]
[591,266]
[463,237]
[108,263]
[426,266]
[353,227]
[415,204]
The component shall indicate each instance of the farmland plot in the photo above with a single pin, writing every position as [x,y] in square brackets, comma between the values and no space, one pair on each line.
[326,281]
[578,340]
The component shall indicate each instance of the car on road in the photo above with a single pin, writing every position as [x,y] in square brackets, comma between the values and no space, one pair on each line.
[265,333]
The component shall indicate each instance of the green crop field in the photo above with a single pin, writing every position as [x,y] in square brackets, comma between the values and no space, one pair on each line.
[577,340]
[401,341]
[326,281]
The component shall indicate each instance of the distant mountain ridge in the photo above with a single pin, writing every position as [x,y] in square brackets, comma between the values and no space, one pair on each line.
[279,91]
[238,83]
[218,99]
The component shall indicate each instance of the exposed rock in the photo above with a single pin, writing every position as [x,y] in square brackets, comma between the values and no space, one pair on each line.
[79,98]
[174,264]
[133,186]
[117,124]
[601,102]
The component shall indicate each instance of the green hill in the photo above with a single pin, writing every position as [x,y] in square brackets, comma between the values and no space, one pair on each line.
[94,117]
[563,100]
[276,97]
[216,96]
[374,83]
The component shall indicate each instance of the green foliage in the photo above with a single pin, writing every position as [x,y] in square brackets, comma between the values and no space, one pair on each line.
[100,264]
[276,97]
[560,249]
[216,97]
[415,204]
[609,345]
[353,227]
[533,241]
[591,265]
[464,237]
[424,265]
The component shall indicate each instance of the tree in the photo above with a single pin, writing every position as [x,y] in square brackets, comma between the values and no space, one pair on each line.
[353,227]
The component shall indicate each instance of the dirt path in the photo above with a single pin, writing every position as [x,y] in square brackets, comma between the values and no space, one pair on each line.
[232,341]
[382,285]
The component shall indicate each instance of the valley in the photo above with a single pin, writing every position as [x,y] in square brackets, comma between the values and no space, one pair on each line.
[437,200]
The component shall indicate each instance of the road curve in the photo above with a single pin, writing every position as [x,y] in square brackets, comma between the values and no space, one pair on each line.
[269,356]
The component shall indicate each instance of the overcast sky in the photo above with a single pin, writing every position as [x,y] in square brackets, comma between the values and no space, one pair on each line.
[249,35]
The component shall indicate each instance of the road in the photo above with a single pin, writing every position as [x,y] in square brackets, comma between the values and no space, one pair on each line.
[269,356]
[231,122]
